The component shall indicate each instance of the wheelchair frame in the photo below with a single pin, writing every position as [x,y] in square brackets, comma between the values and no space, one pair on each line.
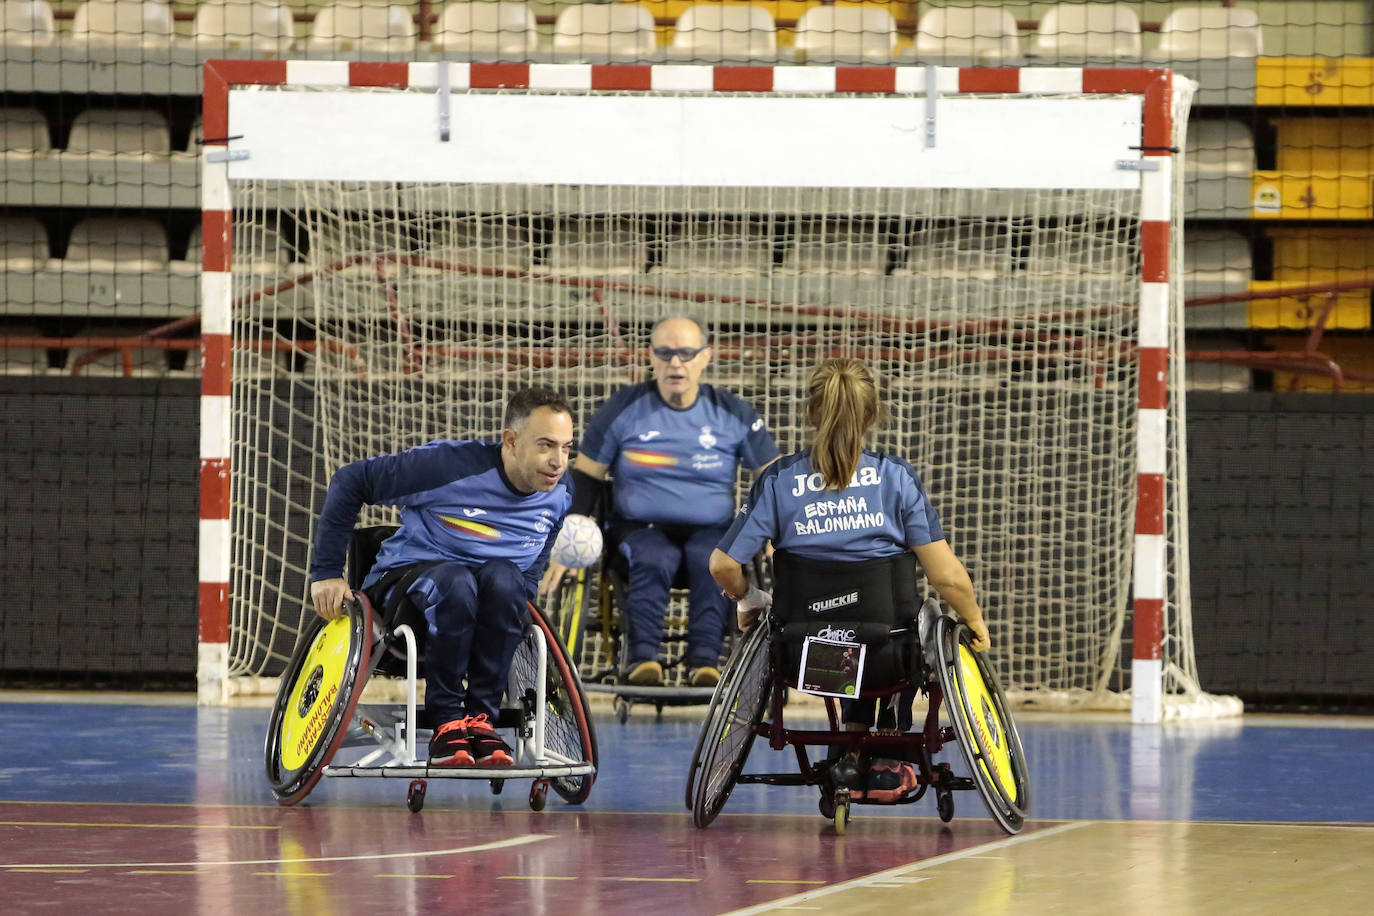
[391,731]
[986,735]
[569,604]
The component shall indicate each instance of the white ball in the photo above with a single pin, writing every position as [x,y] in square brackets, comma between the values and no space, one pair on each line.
[579,542]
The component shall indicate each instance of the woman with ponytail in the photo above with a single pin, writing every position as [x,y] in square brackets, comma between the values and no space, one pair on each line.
[841,501]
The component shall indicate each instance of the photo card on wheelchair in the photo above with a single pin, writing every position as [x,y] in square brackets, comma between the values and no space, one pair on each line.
[831,667]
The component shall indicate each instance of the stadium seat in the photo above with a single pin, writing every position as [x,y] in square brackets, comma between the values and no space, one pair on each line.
[23,243]
[956,252]
[120,131]
[488,30]
[710,33]
[254,25]
[260,251]
[1202,33]
[983,33]
[595,247]
[1078,31]
[352,25]
[27,23]
[846,247]
[713,247]
[145,23]
[1216,256]
[124,244]
[1079,255]
[470,245]
[196,134]
[846,34]
[595,31]
[1217,148]
[23,131]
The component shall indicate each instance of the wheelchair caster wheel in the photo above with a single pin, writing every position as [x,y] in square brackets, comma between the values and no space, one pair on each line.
[622,710]
[841,818]
[840,805]
[415,795]
[827,806]
[539,795]
[497,785]
[944,804]
[658,712]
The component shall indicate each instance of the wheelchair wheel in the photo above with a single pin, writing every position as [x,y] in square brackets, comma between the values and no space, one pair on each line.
[731,723]
[568,605]
[986,733]
[567,719]
[318,693]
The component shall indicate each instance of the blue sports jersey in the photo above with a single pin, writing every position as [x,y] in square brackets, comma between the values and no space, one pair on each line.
[676,466]
[456,504]
[882,512]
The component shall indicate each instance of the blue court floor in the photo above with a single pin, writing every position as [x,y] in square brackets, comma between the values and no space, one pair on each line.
[1259,768]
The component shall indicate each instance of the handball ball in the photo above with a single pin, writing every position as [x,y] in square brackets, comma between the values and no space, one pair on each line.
[579,543]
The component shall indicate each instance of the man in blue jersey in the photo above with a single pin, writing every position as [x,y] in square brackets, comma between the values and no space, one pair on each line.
[672,448]
[478,520]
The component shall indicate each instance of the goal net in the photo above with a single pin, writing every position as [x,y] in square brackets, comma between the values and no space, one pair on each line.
[390,253]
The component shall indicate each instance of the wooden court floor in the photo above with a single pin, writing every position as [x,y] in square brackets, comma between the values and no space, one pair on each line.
[109,805]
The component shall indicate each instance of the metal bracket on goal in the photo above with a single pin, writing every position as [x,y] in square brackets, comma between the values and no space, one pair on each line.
[932,94]
[443,103]
[1137,165]
[227,155]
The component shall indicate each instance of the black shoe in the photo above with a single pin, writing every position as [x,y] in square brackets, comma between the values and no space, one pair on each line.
[488,750]
[845,773]
[449,747]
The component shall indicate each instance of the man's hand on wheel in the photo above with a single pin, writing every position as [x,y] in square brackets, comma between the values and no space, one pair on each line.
[329,596]
[552,576]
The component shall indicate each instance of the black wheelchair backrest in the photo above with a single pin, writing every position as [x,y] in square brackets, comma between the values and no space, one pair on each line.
[362,551]
[880,590]
[860,601]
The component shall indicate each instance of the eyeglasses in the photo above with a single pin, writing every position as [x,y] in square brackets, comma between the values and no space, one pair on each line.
[686,354]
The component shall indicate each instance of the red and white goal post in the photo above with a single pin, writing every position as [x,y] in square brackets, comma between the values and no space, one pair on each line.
[391,249]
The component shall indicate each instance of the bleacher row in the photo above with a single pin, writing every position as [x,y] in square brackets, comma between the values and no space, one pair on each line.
[706,32]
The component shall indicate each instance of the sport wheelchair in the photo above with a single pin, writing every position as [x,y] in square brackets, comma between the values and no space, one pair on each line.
[588,608]
[926,651]
[319,710]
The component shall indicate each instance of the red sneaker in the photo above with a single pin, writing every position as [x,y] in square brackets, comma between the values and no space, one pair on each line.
[449,746]
[488,750]
[888,780]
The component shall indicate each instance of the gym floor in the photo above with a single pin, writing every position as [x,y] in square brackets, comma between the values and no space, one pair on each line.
[116,804]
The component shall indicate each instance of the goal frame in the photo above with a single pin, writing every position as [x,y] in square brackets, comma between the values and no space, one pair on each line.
[1154,86]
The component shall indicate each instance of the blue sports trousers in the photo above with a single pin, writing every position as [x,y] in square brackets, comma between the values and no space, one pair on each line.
[475,617]
[653,557]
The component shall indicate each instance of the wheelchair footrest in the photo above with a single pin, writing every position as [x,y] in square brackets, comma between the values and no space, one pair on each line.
[427,772]
[652,694]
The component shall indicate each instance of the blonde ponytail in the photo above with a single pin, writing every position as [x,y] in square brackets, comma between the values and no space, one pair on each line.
[843,406]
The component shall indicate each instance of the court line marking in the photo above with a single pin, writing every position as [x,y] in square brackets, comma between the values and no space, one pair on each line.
[536,877]
[481,847]
[902,870]
[140,826]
